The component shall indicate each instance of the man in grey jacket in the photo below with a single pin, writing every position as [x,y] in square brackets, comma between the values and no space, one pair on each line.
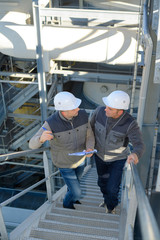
[114,129]
[68,131]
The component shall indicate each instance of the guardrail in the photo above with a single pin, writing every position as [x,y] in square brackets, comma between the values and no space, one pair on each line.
[135,199]
[47,179]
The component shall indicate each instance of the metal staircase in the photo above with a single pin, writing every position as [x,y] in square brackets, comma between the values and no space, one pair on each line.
[87,221]
[22,97]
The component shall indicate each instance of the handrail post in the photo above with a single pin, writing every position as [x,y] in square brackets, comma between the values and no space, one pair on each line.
[4,234]
[49,182]
[127,215]
[132,207]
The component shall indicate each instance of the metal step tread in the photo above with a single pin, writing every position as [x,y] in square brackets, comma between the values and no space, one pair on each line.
[59,235]
[108,218]
[90,189]
[84,213]
[83,221]
[56,225]
[89,202]
[87,196]
[84,208]
[91,182]
[87,186]
[88,193]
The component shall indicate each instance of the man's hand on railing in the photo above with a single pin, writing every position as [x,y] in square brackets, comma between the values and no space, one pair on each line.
[133,158]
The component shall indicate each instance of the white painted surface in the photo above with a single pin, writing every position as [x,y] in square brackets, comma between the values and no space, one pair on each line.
[111,46]
[95,91]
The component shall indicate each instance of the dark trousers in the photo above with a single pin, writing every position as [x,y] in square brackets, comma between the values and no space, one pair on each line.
[109,179]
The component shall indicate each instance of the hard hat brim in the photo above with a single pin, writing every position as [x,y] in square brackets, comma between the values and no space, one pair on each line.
[106,102]
[69,107]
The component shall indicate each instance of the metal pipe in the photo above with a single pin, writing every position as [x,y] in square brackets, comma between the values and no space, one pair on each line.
[27,190]
[151,170]
[39,57]
[81,4]
[18,75]
[22,164]
[149,227]
[146,69]
[3,234]
[13,155]
[21,82]
[136,64]
[3,100]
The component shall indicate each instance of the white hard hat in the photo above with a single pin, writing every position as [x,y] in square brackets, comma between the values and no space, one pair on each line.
[64,101]
[117,99]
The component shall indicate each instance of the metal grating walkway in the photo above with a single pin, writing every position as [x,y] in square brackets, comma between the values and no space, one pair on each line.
[87,221]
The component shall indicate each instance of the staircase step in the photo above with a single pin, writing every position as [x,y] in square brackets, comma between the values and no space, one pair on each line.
[97,209]
[85,213]
[90,193]
[81,207]
[89,190]
[87,186]
[59,235]
[89,202]
[87,221]
[111,222]
[94,198]
[55,225]
[90,182]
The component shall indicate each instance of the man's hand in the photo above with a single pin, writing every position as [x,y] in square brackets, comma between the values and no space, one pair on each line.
[133,158]
[88,150]
[46,135]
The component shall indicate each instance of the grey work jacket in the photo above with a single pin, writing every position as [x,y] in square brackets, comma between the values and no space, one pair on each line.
[69,136]
[112,136]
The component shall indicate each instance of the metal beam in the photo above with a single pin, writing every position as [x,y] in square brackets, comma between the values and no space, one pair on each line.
[122,18]
[18,74]
[94,76]
[25,116]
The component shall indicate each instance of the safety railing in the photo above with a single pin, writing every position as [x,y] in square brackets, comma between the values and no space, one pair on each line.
[47,179]
[49,175]
[135,200]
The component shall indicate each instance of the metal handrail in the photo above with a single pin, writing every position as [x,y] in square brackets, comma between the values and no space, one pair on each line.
[8,201]
[3,230]
[9,156]
[149,227]
[134,198]
[6,157]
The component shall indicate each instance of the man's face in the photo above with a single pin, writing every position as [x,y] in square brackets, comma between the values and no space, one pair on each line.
[113,112]
[71,113]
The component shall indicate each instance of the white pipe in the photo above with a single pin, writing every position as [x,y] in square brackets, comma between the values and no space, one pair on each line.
[145,79]
[146,69]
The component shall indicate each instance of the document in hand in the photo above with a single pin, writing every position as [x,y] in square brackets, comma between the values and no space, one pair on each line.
[82,153]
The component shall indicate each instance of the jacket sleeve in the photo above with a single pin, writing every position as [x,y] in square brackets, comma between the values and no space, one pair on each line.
[135,138]
[93,117]
[34,142]
[90,141]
